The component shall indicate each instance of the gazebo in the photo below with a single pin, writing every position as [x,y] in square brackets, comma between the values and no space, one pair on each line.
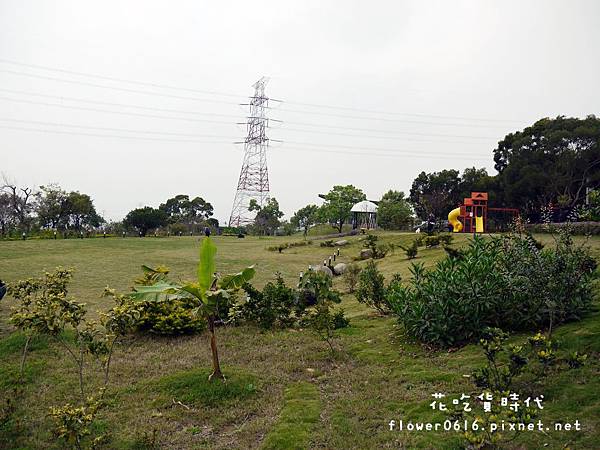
[364,215]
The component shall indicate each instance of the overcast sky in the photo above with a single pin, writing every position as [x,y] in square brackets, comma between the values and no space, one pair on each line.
[401,87]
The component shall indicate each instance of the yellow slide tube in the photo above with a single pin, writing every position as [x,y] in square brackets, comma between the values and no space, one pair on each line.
[453,219]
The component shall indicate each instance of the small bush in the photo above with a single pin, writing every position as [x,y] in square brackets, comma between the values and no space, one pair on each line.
[411,250]
[276,306]
[285,245]
[371,288]
[446,238]
[351,276]
[327,243]
[432,241]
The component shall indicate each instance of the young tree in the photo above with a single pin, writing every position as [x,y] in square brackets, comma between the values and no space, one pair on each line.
[208,291]
[267,217]
[393,210]
[144,219]
[338,203]
[305,217]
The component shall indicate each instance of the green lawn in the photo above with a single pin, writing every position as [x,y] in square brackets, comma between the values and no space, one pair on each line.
[285,390]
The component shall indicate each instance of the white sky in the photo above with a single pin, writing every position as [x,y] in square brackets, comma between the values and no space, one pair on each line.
[429,65]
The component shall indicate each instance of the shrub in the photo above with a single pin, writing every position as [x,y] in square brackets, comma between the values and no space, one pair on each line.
[446,238]
[371,288]
[432,241]
[277,305]
[501,282]
[327,243]
[285,245]
[341,321]
[320,318]
[351,276]
[411,250]
[172,318]
[576,228]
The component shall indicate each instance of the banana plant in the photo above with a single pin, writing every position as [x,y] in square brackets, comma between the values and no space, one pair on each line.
[208,290]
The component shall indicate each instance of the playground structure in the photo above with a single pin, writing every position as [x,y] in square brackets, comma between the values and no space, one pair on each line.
[472,215]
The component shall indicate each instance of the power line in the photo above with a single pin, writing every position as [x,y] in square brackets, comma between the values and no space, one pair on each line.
[228,94]
[377,130]
[434,116]
[389,155]
[391,137]
[122,80]
[412,133]
[124,105]
[382,149]
[122,89]
[77,133]
[379,119]
[120,130]
[83,108]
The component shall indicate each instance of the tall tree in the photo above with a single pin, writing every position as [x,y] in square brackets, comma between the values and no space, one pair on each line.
[51,207]
[82,211]
[305,217]
[338,203]
[393,211]
[6,216]
[20,199]
[144,219]
[552,161]
[267,216]
[180,209]
[435,193]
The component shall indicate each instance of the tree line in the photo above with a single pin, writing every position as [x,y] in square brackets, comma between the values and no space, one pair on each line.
[554,163]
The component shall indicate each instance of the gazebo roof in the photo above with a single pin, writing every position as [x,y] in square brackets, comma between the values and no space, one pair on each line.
[364,207]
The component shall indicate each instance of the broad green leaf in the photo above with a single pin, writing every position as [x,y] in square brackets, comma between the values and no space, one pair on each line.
[236,280]
[192,288]
[207,265]
[157,292]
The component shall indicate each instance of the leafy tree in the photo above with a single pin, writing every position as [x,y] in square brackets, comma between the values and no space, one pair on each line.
[552,161]
[338,203]
[477,180]
[393,210]
[180,209]
[51,206]
[81,211]
[144,219]
[305,217]
[208,291]
[435,193]
[267,216]
[59,209]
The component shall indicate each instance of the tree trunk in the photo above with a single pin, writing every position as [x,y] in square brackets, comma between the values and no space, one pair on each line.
[216,374]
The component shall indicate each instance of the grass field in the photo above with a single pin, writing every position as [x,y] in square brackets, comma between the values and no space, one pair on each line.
[285,390]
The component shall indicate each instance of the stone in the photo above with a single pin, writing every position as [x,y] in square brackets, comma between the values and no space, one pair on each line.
[366,253]
[341,243]
[326,270]
[339,268]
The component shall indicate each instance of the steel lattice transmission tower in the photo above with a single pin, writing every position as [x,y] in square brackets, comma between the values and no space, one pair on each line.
[254,177]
